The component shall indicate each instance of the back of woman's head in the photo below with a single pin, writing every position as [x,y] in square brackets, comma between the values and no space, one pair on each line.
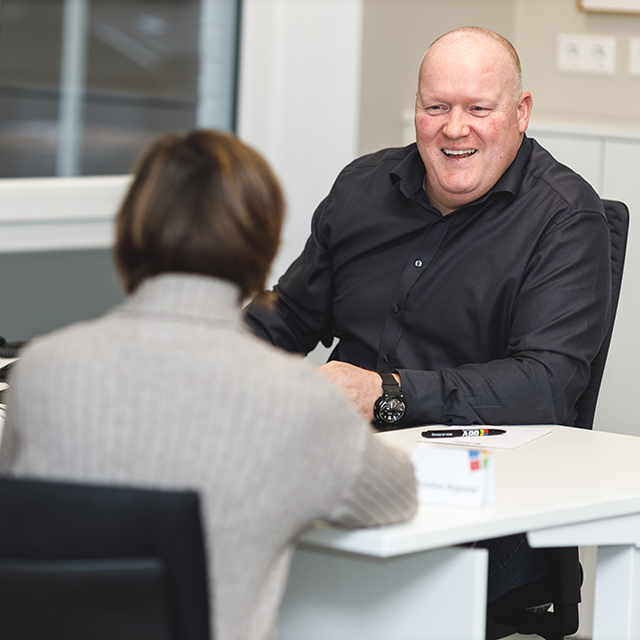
[202,202]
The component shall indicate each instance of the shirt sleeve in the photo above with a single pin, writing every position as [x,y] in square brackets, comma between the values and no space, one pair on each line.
[298,314]
[560,318]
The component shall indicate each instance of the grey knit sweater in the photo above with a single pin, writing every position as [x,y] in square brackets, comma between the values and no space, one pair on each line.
[169,390]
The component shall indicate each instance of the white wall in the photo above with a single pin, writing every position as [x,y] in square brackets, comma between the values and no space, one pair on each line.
[299,99]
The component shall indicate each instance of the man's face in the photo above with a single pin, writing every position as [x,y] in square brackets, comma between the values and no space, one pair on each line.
[469,125]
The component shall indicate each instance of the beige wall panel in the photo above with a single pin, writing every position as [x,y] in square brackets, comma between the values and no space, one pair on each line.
[573,98]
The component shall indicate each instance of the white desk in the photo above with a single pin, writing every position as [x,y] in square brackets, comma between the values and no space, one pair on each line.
[406,582]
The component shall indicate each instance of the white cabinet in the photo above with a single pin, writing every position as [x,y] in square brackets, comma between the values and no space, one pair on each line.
[582,154]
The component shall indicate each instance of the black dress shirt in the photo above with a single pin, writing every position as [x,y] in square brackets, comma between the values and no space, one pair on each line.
[490,315]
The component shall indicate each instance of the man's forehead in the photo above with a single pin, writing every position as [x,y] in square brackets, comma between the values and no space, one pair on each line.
[466,47]
[471,81]
[478,66]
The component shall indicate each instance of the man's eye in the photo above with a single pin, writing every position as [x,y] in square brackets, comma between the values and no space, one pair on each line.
[479,109]
[435,108]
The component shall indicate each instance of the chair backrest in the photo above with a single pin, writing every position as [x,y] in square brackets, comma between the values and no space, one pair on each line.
[11,349]
[618,219]
[90,561]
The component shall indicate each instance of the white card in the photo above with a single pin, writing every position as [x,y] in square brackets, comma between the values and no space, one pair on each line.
[454,477]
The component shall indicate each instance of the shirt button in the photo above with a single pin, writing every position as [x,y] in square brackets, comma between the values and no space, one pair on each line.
[396,309]
[418,263]
[386,359]
[443,220]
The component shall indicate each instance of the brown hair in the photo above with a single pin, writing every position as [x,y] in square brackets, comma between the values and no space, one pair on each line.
[201,202]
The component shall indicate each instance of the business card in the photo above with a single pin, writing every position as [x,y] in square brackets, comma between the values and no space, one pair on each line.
[454,477]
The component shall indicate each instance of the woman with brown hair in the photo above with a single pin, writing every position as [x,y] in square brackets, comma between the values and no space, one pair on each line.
[169,389]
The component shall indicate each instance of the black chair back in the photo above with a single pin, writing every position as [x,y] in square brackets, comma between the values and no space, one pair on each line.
[89,561]
[618,219]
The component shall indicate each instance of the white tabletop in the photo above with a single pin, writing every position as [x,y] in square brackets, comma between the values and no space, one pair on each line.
[568,476]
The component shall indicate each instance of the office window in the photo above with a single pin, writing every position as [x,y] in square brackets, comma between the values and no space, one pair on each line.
[86,84]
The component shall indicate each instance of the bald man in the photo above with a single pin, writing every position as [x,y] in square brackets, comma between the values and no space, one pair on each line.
[466,277]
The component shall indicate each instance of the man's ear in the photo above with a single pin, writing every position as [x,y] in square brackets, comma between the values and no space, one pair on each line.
[525,104]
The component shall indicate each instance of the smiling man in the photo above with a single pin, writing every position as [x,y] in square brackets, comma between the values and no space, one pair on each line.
[469,124]
[466,277]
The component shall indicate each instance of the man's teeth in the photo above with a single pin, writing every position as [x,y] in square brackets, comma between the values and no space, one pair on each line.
[459,152]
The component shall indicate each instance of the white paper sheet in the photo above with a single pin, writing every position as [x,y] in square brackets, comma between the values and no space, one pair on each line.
[513,438]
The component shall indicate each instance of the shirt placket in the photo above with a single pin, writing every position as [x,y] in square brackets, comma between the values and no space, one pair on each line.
[417,264]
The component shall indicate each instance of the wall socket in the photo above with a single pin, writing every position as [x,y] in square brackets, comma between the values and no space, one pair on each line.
[586,54]
[634,56]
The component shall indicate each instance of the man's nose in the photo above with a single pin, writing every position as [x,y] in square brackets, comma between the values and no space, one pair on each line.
[457,124]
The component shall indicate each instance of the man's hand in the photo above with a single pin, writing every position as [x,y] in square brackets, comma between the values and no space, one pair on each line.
[361,386]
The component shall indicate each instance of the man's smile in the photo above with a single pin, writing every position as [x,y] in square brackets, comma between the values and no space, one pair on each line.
[459,153]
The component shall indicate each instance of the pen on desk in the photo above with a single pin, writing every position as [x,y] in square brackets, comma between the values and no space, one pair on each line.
[462,433]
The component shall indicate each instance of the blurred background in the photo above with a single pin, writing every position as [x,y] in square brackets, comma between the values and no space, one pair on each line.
[85,84]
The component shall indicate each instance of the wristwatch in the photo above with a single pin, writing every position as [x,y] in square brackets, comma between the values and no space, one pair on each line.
[390,406]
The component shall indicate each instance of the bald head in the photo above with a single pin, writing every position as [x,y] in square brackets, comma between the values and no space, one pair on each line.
[486,41]
[471,115]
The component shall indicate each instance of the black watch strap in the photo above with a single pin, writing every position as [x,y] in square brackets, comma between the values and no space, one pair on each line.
[390,384]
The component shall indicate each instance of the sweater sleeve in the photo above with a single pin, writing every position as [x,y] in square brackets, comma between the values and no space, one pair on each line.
[300,315]
[348,475]
[383,489]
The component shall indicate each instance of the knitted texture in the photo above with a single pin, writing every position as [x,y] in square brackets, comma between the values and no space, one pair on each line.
[169,390]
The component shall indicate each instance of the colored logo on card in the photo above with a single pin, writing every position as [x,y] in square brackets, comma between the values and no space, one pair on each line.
[478,460]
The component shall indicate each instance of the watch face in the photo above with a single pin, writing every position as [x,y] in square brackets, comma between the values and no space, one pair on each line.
[390,409]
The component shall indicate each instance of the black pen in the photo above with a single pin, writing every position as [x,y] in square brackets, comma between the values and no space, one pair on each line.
[462,433]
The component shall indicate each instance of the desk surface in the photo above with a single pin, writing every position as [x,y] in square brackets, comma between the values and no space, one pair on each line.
[568,476]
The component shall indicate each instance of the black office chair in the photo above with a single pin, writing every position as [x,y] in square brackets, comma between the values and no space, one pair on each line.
[11,349]
[618,219]
[88,561]
[524,610]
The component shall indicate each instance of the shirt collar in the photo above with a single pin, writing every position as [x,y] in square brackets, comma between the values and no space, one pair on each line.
[410,173]
[511,179]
